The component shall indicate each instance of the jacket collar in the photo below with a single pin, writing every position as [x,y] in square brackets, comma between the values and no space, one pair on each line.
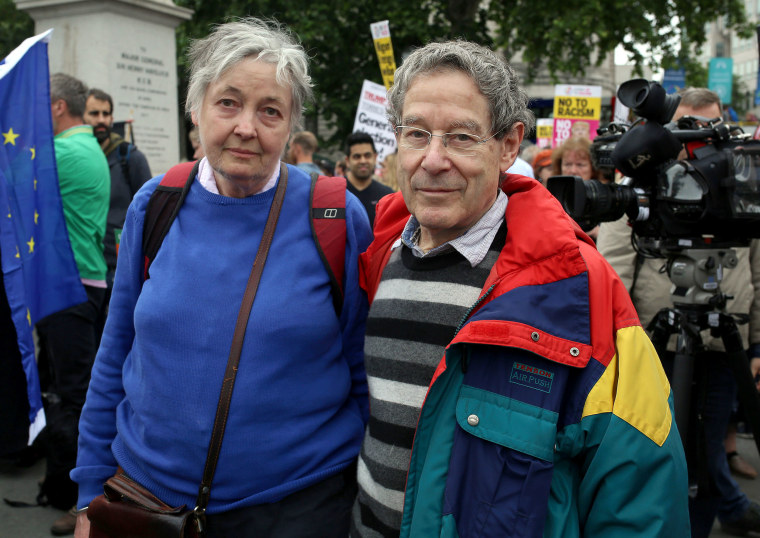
[541,248]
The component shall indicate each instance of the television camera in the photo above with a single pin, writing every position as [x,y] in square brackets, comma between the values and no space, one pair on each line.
[711,195]
[691,192]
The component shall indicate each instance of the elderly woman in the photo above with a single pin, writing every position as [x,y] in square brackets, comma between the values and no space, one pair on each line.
[299,405]
[573,158]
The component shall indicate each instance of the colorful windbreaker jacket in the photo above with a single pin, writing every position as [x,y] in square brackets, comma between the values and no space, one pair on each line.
[549,413]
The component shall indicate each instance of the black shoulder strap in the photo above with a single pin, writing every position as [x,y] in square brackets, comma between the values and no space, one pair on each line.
[163,206]
[124,150]
[327,205]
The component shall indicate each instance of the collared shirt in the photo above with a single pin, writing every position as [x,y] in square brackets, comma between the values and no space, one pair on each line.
[473,244]
[521,167]
[208,181]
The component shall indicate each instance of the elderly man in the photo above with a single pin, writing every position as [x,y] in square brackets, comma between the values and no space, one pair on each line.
[549,413]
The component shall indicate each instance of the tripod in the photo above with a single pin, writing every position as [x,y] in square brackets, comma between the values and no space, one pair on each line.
[699,304]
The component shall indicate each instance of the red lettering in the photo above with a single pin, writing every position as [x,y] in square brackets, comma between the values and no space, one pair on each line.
[533,370]
[374,98]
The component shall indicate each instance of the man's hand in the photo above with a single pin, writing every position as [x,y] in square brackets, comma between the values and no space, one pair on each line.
[83,526]
[754,365]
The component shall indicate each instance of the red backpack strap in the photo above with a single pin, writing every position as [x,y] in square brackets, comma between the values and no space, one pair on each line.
[328,225]
[163,207]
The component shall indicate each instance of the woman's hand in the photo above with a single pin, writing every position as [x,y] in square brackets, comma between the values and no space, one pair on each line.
[83,526]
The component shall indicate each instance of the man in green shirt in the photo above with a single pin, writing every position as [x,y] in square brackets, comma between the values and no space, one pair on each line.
[68,338]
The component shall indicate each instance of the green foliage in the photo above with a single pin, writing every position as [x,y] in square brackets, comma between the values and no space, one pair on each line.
[15,26]
[566,39]
[336,35]
[571,38]
[696,74]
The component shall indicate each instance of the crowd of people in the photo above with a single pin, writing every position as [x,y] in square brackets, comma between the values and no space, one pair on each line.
[462,358]
[98,174]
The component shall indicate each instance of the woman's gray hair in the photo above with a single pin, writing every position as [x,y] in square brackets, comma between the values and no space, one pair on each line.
[497,81]
[232,42]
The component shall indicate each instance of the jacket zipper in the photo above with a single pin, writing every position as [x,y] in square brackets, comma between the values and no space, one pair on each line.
[472,308]
[466,350]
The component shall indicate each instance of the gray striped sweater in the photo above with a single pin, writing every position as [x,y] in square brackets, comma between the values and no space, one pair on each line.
[415,313]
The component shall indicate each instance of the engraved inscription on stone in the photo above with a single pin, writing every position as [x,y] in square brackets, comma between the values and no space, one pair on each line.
[144,92]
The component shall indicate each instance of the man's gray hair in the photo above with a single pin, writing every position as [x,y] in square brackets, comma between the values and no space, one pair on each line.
[233,42]
[699,97]
[72,90]
[495,78]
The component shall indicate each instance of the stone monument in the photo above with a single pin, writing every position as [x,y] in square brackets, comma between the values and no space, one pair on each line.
[126,48]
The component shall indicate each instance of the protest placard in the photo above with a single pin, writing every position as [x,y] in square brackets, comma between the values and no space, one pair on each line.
[370,118]
[544,132]
[577,110]
[381,35]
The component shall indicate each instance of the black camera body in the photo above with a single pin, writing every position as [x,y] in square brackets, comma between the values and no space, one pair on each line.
[712,195]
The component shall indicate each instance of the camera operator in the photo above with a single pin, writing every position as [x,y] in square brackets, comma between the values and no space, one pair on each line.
[649,287]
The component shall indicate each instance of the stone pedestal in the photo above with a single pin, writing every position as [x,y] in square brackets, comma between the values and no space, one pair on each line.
[126,48]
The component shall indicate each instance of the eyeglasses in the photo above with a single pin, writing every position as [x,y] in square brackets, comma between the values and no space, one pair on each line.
[463,144]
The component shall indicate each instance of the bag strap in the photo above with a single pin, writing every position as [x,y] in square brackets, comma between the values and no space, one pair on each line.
[225,396]
[327,209]
[327,204]
[125,148]
[163,207]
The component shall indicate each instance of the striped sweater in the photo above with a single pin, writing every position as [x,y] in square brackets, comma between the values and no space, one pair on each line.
[416,311]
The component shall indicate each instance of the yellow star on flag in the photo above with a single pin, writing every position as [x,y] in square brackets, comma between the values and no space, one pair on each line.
[34,152]
[36,216]
[10,137]
[31,245]
[35,183]
[18,254]
[28,317]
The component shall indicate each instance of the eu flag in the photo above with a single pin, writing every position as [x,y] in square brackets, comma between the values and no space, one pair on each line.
[38,269]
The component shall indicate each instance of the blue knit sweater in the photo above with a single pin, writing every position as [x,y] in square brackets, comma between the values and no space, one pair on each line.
[299,405]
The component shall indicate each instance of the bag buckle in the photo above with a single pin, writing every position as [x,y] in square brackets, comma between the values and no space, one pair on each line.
[200,519]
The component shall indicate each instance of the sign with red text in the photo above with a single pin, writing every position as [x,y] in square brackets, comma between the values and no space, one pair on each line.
[577,110]
[371,119]
[544,127]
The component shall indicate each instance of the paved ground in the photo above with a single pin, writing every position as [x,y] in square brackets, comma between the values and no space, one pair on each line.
[21,484]
[748,450]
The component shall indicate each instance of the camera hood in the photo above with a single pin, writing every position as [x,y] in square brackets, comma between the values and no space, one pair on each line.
[648,100]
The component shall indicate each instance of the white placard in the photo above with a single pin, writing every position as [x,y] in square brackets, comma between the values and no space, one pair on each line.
[371,119]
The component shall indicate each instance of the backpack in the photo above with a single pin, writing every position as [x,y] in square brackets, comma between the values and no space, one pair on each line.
[327,205]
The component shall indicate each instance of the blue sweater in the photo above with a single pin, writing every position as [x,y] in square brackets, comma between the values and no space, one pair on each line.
[299,405]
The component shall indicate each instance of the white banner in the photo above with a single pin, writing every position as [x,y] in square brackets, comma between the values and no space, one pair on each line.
[371,119]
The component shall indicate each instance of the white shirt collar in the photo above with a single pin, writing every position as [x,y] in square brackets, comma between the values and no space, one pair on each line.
[208,181]
[473,244]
